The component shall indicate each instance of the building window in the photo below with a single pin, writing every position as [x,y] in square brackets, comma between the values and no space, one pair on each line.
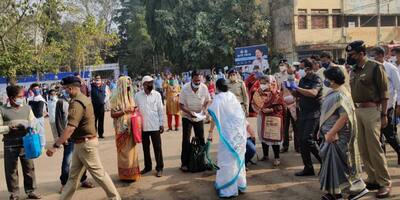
[337,18]
[368,21]
[388,20]
[319,18]
[302,19]
[351,21]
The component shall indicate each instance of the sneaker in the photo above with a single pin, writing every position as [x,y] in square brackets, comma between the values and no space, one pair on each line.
[358,195]
[33,195]
[277,162]
[87,184]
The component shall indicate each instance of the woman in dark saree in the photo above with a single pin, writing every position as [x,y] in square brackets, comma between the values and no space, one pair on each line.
[341,168]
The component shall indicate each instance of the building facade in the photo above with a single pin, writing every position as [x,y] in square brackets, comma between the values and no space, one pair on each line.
[306,27]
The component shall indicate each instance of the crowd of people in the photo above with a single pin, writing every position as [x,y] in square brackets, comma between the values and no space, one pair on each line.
[341,113]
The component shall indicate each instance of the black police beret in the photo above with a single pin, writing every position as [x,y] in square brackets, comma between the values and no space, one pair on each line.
[357,45]
[70,80]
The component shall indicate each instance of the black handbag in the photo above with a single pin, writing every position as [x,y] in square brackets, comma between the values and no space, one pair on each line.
[197,162]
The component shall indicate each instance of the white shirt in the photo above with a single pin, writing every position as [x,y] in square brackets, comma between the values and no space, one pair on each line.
[263,64]
[394,83]
[151,108]
[51,105]
[193,101]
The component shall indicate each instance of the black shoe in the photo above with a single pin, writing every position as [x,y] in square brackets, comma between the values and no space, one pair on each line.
[144,171]
[373,186]
[176,129]
[159,174]
[33,195]
[305,173]
[284,150]
[358,195]
[101,137]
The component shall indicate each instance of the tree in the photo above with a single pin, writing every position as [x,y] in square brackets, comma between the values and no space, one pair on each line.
[194,33]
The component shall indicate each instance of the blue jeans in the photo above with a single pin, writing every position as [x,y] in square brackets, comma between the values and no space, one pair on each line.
[250,150]
[66,163]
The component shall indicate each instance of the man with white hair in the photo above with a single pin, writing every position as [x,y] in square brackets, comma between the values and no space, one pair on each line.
[151,107]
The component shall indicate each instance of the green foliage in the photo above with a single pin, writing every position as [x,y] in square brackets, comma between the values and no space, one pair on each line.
[188,33]
[34,39]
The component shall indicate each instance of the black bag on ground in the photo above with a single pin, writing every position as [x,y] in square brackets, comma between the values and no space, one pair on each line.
[197,162]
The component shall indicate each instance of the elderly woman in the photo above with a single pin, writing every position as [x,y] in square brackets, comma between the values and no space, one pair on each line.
[339,151]
[122,106]
[228,116]
[269,104]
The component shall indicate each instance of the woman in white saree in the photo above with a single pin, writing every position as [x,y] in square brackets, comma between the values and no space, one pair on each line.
[230,121]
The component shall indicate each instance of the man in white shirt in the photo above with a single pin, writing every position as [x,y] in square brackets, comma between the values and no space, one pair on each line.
[51,106]
[390,132]
[194,98]
[150,105]
[260,61]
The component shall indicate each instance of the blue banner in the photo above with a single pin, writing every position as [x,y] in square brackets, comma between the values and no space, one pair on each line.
[246,55]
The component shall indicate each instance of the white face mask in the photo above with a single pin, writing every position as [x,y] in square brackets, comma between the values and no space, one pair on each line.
[282,68]
[264,86]
[19,101]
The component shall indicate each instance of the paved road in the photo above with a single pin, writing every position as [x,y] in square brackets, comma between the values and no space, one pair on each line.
[264,181]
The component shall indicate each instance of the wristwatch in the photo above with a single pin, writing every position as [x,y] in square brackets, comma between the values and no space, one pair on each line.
[56,146]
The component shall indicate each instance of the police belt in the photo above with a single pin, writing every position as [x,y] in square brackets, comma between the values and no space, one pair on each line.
[366,105]
[83,139]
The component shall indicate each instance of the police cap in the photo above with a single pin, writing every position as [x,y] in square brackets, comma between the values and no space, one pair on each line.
[71,80]
[358,46]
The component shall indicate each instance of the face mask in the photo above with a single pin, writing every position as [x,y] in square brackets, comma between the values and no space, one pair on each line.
[65,94]
[282,68]
[327,83]
[36,92]
[325,65]
[195,86]
[302,73]
[264,86]
[149,87]
[19,101]
[351,61]
[171,82]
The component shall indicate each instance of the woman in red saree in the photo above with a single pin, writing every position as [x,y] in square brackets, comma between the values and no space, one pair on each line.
[122,106]
[269,104]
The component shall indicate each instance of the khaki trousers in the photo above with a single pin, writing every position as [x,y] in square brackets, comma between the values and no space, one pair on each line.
[86,156]
[372,155]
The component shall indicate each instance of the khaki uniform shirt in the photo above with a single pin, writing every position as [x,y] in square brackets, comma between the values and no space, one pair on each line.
[81,116]
[369,83]
[239,90]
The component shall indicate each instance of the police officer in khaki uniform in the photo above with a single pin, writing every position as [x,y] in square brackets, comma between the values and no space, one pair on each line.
[238,88]
[81,131]
[370,91]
